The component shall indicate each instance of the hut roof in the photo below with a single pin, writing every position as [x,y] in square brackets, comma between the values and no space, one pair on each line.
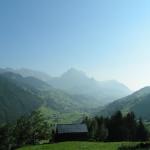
[71,128]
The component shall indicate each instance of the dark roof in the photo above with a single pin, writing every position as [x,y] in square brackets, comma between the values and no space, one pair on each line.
[71,128]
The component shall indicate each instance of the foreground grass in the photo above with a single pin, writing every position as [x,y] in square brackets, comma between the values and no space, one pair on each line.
[79,146]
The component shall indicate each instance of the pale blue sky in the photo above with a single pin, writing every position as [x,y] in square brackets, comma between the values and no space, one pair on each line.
[108,39]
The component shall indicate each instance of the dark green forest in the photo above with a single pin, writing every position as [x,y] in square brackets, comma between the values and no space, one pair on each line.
[116,128]
[26,130]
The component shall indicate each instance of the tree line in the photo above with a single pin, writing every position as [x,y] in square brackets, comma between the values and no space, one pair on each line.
[34,127]
[26,130]
[116,128]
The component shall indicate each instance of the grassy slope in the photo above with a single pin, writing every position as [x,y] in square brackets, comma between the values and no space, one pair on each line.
[54,116]
[78,146]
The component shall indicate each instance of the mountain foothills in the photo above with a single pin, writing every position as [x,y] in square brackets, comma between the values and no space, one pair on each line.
[61,99]
[137,102]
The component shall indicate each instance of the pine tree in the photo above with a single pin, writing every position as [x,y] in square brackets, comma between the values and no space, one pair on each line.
[130,126]
[142,133]
[6,138]
[115,127]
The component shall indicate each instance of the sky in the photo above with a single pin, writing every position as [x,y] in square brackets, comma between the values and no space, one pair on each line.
[107,39]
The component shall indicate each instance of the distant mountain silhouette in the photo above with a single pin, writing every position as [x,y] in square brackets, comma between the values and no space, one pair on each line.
[28,73]
[77,82]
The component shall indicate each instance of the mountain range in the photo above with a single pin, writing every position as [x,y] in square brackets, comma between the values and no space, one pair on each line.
[78,83]
[28,73]
[65,98]
[22,95]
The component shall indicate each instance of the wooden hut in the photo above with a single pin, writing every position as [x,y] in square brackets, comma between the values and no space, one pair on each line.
[71,132]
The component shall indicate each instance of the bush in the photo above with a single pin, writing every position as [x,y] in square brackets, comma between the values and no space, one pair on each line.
[27,130]
[141,146]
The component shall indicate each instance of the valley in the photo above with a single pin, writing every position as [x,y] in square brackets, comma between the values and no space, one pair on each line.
[61,100]
[74,75]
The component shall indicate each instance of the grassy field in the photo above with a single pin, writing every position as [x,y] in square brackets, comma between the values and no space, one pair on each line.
[67,117]
[78,146]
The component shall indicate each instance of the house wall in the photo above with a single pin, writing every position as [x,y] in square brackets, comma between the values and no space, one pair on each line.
[71,137]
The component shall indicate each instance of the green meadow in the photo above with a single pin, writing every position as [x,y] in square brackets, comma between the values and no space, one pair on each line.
[79,146]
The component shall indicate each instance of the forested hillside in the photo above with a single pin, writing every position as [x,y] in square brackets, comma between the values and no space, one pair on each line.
[21,95]
[137,102]
[14,101]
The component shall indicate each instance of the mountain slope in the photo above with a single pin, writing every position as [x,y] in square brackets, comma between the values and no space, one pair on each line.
[20,95]
[76,82]
[137,102]
[15,101]
[28,73]
[45,91]
[27,82]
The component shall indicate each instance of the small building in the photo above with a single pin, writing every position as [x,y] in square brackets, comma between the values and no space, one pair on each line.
[71,132]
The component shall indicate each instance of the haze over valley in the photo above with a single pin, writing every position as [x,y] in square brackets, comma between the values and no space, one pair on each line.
[73,93]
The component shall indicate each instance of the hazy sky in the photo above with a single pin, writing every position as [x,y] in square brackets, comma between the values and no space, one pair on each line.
[108,39]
